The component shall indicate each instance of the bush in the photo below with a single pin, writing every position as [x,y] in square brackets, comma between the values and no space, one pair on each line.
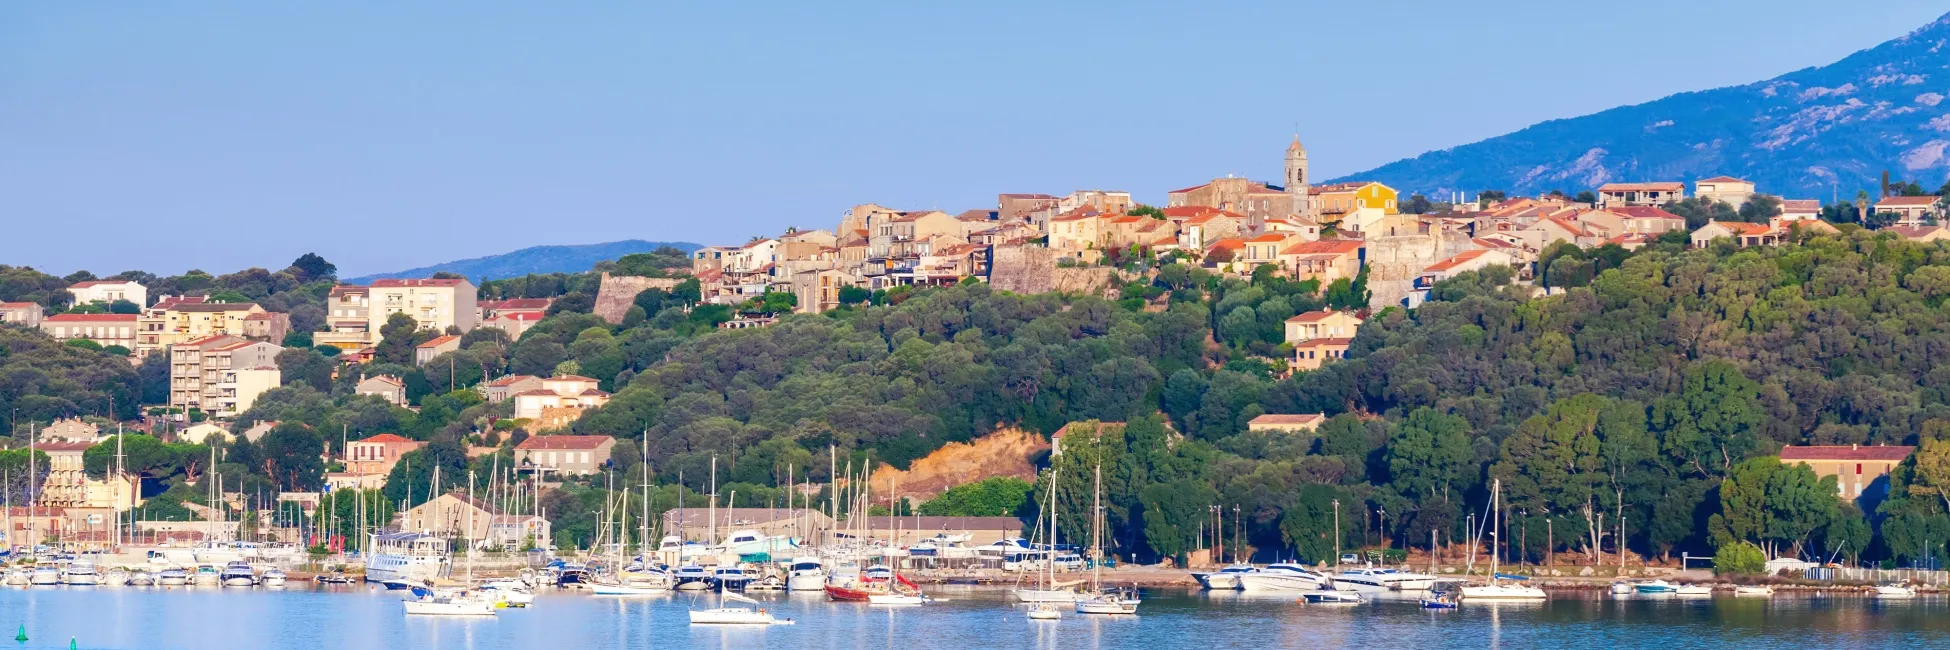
[1743,558]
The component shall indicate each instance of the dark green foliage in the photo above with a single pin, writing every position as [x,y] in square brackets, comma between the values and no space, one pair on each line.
[1000,496]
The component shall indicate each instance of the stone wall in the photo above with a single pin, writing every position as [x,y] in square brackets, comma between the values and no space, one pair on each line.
[1395,261]
[619,292]
[1032,269]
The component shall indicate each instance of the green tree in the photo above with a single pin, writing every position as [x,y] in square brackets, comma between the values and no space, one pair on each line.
[292,454]
[397,339]
[1713,422]
[1429,454]
[990,497]
[1741,558]
[312,267]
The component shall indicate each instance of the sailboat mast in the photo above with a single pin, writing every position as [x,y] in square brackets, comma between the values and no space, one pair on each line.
[711,536]
[1096,530]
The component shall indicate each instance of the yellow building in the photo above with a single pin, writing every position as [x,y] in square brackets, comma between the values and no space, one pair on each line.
[179,319]
[1858,469]
[1330,202]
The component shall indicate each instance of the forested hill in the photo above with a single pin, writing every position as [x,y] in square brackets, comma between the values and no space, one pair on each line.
[1801,134]
[1658,385]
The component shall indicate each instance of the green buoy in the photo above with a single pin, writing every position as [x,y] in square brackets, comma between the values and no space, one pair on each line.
[22,636]
[71,645]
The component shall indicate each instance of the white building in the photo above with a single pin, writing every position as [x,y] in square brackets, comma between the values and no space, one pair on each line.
[109,291]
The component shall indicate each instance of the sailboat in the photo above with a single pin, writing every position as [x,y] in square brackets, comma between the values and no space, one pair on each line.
[1496,590]
[1115,601]
[1044,609]
[727,615]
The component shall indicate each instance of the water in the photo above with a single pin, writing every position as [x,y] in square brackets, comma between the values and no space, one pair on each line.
[972,619]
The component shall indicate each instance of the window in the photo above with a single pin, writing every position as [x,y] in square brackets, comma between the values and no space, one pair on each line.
[1858,469]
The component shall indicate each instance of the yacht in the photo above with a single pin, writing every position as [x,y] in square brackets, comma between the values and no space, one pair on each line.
[513,592]
[1500,586]
[45,575]
[691,577]
[1694,591]
[728,578]
[19,577]
[1335,597]
[1110,601]
[1283,577]
[207,576]
[427,602]
[272,578]
[142,579]
[1225,579]
[116,577]
[81,573]
[1753,590]
[1371,579]
[1654,587]
[1895,591]
[751,542]
[238,574]
[724,614]
[172,577]
[805,574]
[408,557]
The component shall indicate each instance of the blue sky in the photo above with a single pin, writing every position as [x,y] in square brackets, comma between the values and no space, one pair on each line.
[384,135]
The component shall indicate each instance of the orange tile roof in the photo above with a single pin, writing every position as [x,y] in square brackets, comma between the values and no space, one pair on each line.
[1662,186]
[421,282]
[1458,260]
[1324,247]
[1851,452]
[563,442]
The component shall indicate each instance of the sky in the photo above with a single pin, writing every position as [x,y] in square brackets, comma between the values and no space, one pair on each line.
[167,135]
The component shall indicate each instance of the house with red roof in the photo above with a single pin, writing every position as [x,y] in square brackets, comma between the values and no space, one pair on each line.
[559,401]
[1460,263]
[1312,354]
[105,329]
[1286,422]
[564,454]
[24,314]
[1326,260]
[1725,189]
[434,347]
[1911,210]
[1655,193]
[377,454]
[1858,469]
[1322,323]
[1742,233]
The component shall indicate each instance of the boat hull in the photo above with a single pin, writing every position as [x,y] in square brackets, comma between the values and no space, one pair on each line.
[896,599]
[1263,582]
[1503,592]
[602,589]
[1046,595]
[1218,581]
[1110,606]
[239,581]
[806,582]
[437,608]
[847,594]
[732,616]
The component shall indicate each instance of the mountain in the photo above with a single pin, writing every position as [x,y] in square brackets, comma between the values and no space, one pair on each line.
[534,259]
[1795,135]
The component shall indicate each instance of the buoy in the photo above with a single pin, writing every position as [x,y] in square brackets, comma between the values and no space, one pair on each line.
[71,644]
[22,636]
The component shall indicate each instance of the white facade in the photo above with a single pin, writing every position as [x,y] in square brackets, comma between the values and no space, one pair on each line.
[434,304]
[108,291]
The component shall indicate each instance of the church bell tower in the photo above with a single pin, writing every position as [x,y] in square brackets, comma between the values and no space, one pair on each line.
[1296,176]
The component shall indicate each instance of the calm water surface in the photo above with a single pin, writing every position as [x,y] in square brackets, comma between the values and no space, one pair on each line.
[973,618]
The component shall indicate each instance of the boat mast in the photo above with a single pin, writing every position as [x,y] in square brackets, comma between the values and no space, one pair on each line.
[1049,561]
[1096,531]
[1496,511]
[711,535]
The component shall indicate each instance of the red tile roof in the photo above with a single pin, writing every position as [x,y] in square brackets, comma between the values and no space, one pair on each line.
[1268,238]
[63,446]
[1908,201]
[563,442]
[1643,212]
[1801,205]
[386,437]
[510,380]
[1316,315]
[439,341]
[1643,187]
[1331,343]
[81,318]
[343,289]
[17,305]
[1189,189]
[1324,247]
[1458,260]
[1851,452]
[1289,418]
[1721,179]
[571,378]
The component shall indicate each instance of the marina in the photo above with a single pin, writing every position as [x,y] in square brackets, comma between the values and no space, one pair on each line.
[307,616]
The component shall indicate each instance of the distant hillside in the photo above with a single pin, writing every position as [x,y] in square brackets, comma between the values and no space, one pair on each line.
[535,259]
[1796,135]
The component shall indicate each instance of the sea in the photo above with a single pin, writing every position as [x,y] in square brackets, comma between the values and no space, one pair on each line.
[963,618]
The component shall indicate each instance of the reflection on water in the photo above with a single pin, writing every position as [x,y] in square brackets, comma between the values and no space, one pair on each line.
[971,619]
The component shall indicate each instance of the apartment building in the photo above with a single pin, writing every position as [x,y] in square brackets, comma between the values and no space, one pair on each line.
[24,314]
[222,374]
[436,304]
[348,319]
[178,319]
[105,329]
[109,291]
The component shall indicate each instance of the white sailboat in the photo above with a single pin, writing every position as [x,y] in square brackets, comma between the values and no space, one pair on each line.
[725,614]
[1496,590]
[1099,601]
[427,602]
[1045,592]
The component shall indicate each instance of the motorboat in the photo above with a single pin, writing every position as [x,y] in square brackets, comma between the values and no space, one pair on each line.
[1111,601]
[116,577]
[427,602]
[749,543]
[691,577]
[1283,576]
[569,573]
[1622,588]
[45,575]
[1440,601]
[1753,590]
[1045,612]
[725,614]
[172,577]
[805,574]
[334,578]
[142,579]
[1895,590]
[408,557]
[81,573]
[238,574]
[728,578]
[1371,579]
[1223,579]
[273,577]
[1332,597]
[512,593]
[1656,587]
[1694,591]
[1498,591]
[19,577]
[767,583]
[206,576]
